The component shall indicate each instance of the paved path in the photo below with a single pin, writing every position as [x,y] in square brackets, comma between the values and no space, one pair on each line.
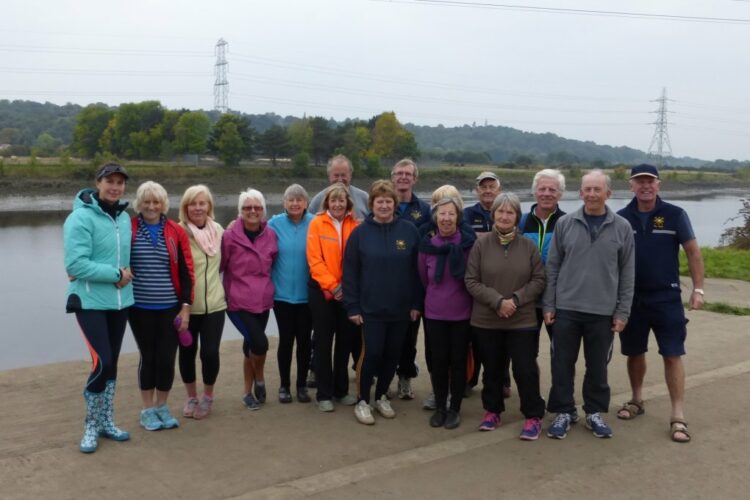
[294,451]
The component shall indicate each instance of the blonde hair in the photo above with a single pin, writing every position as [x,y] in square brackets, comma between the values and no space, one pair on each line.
[447,191]
[336,190]
[190,195]
[151,189]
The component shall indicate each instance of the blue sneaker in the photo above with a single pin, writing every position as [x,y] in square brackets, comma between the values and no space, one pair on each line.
[167,420]
[561,425]
[150,420]
[250,401]
[597,425]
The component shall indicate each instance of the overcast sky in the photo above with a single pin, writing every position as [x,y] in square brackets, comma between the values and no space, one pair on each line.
[587,75]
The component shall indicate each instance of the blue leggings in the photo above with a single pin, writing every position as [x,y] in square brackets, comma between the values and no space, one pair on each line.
[103,332]
[252,326]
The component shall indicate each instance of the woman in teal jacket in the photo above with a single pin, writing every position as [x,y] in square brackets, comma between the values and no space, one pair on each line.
[97,259]
[290,274]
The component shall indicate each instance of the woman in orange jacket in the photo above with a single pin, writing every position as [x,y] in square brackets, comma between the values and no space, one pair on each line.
[326,241]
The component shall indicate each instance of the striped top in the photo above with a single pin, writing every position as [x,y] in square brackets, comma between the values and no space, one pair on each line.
[149,260]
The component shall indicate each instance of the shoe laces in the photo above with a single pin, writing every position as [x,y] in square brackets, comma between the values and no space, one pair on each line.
[561,419]
[597,419]
[531,424]
[491,417]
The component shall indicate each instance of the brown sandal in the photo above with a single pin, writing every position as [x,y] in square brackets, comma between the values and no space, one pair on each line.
[630,410]
[678,425]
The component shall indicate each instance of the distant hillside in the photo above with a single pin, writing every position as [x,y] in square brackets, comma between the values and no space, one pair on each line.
[504,144]
[26,123]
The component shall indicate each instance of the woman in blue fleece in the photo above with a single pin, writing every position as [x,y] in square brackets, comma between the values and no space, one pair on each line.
[382,293]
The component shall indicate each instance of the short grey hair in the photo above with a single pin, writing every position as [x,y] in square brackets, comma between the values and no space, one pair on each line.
[509,199]
[151,189]
[337,159]
[446,201]
[251,194]
[598,171]
[549,173]
[296,191]
[404,163]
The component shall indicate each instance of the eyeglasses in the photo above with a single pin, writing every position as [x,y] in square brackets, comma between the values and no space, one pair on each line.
[252,208]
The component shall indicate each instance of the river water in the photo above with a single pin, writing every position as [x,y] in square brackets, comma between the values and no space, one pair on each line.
[35,330]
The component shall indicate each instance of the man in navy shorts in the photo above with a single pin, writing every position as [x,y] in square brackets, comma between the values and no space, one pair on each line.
[659,229]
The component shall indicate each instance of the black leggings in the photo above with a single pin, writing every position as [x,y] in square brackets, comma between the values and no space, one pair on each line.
[381,349]
[252,326]
[103,332]
[157,341]
[208,329]
[295,323]
[449,346]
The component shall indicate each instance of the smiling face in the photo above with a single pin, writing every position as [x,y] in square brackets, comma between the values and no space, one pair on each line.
[505,218]
[151,209]
[295,207]
[645,188]
[337,206]
[111,188]
[340,171]
[547,194]
[447,219]
[403,178]
[595,193]
[487,191]
[252,214]
[383,209]
[197,210]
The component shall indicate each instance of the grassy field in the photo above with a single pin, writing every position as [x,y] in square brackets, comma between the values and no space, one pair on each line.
[722,263]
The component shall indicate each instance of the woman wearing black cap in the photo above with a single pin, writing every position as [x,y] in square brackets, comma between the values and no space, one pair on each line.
[97,259]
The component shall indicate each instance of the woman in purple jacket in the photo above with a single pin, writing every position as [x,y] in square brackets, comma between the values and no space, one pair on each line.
[442,263]
[248,250]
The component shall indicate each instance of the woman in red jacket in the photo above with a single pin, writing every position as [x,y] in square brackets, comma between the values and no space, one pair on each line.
[163,280]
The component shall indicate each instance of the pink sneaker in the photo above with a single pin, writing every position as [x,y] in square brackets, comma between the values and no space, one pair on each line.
[189,409]
[203,408]
[490,421]
[532,428]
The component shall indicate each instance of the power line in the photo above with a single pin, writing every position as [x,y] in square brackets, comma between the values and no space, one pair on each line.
[221,85]
[580,12]
[660,145]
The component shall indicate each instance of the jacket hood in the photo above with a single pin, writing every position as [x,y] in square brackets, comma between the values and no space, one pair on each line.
[85,198]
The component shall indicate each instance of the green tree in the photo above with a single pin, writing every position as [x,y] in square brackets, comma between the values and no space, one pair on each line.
[135,131]
[229,144]
[91,123]
[322,139]
[243,128]
[373,168]
[355,140]
[301,137]
[274,142]
[391,140]
[191,132]
[301,165]
[46,145]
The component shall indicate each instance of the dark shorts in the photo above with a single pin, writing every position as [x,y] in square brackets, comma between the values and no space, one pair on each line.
[666,319]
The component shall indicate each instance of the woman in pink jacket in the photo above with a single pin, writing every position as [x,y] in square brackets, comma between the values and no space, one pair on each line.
[248,249]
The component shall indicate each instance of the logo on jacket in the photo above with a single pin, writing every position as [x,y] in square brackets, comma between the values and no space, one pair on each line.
[416,214]
[659,222]
[400,245]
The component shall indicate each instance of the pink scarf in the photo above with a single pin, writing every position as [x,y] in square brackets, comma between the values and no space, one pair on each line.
[206,237]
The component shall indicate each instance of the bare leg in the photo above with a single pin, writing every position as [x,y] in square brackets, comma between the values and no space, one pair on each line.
[259,363]
[247,371]
[208,390]
[191,390]
[674,372]
[636,374]
[147,398]
[161,397]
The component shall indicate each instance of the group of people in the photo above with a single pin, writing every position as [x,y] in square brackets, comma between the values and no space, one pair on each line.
[351,275]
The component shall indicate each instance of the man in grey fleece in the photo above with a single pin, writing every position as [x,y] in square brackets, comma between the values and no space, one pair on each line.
[590,277]
[340,169]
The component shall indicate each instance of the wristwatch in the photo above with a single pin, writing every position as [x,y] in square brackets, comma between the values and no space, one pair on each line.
[699,291]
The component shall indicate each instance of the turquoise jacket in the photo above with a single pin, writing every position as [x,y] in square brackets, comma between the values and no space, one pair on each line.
[96,247]
[290,272]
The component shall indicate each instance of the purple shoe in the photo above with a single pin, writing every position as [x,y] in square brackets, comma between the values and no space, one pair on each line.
[532,429]
[490,421]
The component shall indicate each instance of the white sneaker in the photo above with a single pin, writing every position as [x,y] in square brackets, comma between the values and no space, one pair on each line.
[384,407]
[404,388]
[363,412]
[429,402]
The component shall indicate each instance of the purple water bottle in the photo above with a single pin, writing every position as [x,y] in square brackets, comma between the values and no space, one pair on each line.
[185,338]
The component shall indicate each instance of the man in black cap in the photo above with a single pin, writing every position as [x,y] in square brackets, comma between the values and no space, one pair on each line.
[659,229]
